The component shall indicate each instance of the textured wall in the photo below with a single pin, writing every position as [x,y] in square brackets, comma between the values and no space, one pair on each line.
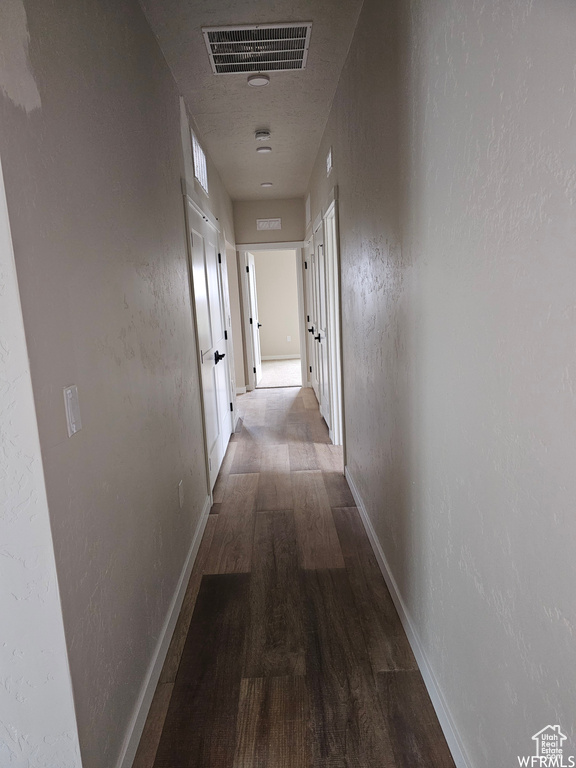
[277,287]
[92,167]
[37,721]
[454,152]
[290,211]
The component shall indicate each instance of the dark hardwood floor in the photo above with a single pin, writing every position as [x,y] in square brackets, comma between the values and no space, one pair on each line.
[288,652]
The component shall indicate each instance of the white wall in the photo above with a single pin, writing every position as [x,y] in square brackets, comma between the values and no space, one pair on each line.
[37,717]
[453,142]
[246,212]
[277,289]
[93,160]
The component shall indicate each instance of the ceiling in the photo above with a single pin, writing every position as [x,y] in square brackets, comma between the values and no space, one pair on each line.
[294,105]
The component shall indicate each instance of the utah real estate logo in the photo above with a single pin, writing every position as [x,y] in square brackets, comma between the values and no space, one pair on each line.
[549,750]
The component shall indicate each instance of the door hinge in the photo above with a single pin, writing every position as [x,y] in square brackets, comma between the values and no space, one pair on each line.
[219,259]
[231,407]
[250,321]
[310,369]
[226,335]
[305,265]
[254,369]
[247,269]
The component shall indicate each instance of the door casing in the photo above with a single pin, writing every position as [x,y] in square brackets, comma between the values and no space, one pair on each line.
[244,251]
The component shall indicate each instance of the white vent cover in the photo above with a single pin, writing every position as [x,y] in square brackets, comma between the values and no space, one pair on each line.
[263,224]
[258,47]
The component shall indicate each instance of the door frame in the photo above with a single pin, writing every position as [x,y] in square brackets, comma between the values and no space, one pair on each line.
[243,250]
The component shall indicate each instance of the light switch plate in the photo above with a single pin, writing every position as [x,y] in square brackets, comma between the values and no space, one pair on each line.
[72,405]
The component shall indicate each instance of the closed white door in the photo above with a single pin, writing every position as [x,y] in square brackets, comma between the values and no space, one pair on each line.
[322,337]
[311,323]
[254,323]
[321,349]
[228,334]
[208,303]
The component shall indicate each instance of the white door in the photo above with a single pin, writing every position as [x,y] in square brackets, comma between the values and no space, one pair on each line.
[227,317]
[211,342]
[334,331]
[321,357]
[322,337]
[254,324]
[311,321]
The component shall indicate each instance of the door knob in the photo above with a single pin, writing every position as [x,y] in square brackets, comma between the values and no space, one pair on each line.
[317,337]
[218,357]
[259,325]
[311,330]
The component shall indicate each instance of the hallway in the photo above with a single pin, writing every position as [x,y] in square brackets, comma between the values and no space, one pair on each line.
[288,650]
[418,160]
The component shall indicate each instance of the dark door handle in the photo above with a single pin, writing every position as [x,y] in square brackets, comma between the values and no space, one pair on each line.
[317,337]
[218,357]
[311,330]
[259,325]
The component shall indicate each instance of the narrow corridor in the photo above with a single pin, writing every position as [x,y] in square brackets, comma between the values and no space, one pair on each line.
[288,651]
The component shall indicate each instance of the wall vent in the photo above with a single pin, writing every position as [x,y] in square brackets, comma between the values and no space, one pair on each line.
[263,224]
[258,47]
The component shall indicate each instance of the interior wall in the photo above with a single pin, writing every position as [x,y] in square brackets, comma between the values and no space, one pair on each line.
[36,704]
[246,212]
[90,138]
[454,155]
[277,289]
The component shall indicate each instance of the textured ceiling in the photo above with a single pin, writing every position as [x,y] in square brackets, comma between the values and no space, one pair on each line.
[227,111]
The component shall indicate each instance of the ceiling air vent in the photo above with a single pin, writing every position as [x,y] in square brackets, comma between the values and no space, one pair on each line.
[257,47]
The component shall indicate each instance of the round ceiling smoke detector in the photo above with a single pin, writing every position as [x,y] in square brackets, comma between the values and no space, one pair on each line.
[263,149]
[266,184]
[262,134]
[258,80]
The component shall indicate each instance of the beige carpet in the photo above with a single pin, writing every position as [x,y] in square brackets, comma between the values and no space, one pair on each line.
[281,373]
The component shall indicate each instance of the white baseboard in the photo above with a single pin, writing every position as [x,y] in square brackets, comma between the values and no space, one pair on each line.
[280,357]
[136,727]
[240,390]
[438,702]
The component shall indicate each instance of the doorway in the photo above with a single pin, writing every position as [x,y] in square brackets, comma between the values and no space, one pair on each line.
[274,299]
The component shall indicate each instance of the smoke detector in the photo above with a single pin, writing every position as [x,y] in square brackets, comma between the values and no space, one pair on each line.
[258,81]
[262,134]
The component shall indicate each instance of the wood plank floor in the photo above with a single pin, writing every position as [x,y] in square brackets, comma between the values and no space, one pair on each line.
[288,652]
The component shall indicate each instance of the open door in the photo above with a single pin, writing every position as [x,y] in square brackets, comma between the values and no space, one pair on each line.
[254,323]
[209,311]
